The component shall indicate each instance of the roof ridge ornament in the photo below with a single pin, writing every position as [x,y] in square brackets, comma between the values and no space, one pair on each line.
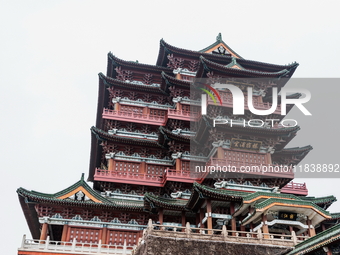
[219,37]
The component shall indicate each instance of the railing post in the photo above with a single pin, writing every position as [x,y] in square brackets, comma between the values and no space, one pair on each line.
[47,242]
[187,229]
[124,247]
[73,244]
[259,233]
[99,246]
[150,226]
[294,238]
[224,231]
[23,241]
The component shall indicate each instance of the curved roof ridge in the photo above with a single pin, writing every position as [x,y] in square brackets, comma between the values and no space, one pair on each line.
[207,62]
[164,46]
[117,82]
[101,134]
[119,61]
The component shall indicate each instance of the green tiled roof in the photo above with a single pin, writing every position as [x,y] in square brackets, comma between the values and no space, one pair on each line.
[320,200]
[322,239]
[291,202]
[240,194]
[169,203]
[274,195]
[53,198]
[335,216]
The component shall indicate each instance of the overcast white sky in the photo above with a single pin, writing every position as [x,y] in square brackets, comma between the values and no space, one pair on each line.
[52,51]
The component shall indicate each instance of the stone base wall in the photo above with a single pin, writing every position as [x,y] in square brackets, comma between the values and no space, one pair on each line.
[161,245]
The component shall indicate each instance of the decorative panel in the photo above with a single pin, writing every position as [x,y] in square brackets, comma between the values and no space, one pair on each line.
[85,235]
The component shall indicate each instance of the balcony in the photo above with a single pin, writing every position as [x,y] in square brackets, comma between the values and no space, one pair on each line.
[59,247]
[149,179]
[134,117]
[184,176]
[227,101]
[295,188]
[258,169]
[183,115]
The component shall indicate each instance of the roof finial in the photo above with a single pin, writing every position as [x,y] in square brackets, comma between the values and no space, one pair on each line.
[219,37]
[82,177]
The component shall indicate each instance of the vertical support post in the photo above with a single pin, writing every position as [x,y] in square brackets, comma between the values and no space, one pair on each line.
[161,216]
[265,228]
[110,164]
[117,106]
[209,220]
[183,220]
[143,167]
[251,225]
[233,220]
[291,230]
[201,217]
[178,164]
[329,252]
[311,229]
[197,220]
[104,234]
[43,233]
[220,153]
[64,233]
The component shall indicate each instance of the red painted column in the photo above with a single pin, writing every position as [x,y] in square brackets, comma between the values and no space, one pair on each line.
[183,221]
[265,229]
[311,231]
[160,216]
[110,164]
[43,233]
[201,217]
[178,164]
[209,220]
[104,235]
[233,220]
[64,233]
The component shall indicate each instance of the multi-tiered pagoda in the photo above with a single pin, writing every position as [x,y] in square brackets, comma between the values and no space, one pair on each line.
[148,143]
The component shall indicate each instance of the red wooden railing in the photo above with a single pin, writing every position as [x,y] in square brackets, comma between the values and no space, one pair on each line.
[147,178]
[183,115]
[295,188]
[134,116]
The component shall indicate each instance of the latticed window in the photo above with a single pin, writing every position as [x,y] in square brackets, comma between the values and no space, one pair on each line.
[185,165]
[117,237]
[155,169]
[85,235]
[159,113]
[123,166]
[131,109]
[245,157]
